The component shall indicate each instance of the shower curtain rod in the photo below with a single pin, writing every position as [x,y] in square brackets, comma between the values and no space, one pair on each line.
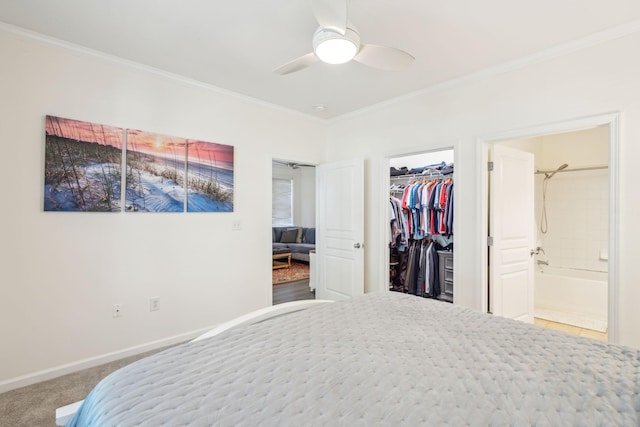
[572,170]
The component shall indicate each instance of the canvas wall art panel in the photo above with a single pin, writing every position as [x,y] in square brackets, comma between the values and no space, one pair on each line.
[83,166]
[173,174]
[209,177]
[156,172]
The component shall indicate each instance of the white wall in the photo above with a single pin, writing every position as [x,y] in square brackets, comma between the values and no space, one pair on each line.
[594,80]
[60,273]
[307,197]
[304,192]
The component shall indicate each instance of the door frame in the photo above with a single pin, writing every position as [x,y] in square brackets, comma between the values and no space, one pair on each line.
[383,205]
[612,119]
[271,158]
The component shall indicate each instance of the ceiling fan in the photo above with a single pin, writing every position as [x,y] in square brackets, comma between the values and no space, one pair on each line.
[336,41]
[293,165]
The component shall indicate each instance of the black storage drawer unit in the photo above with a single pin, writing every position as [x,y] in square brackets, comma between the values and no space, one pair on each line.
[445,262]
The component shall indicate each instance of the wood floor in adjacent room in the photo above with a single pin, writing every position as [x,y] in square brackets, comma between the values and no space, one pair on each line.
[293,291]
[574,330]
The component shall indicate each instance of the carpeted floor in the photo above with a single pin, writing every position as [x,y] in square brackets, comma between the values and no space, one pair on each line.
[298,271]
[35,405]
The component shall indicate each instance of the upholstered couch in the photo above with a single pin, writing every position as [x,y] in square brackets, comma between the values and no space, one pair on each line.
[298,240]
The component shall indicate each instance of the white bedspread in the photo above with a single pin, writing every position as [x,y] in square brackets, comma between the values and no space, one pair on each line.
[380,359]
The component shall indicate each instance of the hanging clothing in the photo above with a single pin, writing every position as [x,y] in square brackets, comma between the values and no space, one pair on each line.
[399,225]
[421,223]
[427,207]
[418,271]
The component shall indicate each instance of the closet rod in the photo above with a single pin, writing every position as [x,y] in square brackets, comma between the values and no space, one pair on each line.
[573,170]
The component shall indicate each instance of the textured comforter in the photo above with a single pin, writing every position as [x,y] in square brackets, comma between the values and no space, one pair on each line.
[380,359]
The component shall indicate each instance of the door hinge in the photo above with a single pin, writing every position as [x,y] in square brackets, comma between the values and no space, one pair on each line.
[489,241]
[490,166]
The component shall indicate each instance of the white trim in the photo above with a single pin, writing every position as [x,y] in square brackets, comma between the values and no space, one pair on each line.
[457,266]
[612,119]
[383,205]
[614,228]
[48,374]
[23,33]
[505,67]
[482,158]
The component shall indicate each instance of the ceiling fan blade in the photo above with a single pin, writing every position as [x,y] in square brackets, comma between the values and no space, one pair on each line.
[297,64]
[331,14]
[383,57]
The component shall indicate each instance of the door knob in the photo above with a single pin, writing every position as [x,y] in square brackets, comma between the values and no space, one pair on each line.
[356,245]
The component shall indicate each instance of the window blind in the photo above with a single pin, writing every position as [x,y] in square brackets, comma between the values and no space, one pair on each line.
[282,202]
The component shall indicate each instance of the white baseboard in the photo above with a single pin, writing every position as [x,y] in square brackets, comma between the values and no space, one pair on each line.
[58,371]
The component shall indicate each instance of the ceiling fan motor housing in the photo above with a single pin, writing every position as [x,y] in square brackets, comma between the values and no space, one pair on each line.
[334,48]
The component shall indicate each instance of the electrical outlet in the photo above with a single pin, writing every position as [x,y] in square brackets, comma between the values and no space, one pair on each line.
[117,310]
[154,304]
[236,226]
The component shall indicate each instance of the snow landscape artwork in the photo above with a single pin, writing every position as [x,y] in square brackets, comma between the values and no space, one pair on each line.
[82,169]
[164,172]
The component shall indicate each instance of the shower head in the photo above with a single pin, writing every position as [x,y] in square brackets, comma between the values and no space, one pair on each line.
[550,175]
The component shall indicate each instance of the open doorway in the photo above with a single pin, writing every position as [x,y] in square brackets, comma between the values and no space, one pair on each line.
[421,234]
[571,253]
[293,230]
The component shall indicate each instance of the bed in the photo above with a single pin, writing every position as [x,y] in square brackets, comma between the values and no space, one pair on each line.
[378,359]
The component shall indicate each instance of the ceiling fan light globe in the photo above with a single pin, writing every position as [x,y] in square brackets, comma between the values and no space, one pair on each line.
[336,51]
[334,48]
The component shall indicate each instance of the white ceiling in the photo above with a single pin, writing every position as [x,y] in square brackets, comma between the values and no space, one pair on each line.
[235,44]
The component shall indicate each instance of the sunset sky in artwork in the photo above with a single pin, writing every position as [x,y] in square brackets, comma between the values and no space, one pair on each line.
[170,146]
[210,152]
[84,131]
[204,152]
[155,144]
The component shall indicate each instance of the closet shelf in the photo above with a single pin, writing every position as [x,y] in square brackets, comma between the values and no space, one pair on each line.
[421,176]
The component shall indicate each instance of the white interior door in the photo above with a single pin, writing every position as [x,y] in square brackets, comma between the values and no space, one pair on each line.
[340,230]
[512,227]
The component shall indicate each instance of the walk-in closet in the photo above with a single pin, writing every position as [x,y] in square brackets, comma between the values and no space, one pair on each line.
[421,234]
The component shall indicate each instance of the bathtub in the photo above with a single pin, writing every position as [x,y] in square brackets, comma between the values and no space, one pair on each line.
[574,297]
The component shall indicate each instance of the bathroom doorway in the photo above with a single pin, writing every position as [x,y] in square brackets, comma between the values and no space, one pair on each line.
[570,249]
[571,273]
